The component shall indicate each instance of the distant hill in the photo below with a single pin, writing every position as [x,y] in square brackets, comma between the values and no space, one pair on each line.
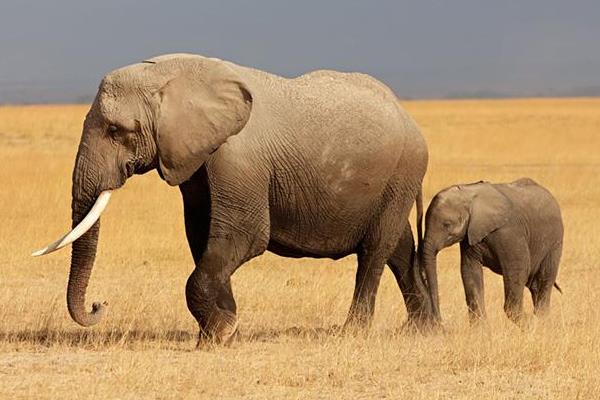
[32,94]
[589,91]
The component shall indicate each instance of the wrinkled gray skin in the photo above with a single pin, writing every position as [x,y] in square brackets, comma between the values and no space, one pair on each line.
[323,165]
[515,229]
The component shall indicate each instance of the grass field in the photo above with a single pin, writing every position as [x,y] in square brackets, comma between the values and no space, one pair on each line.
[286,348]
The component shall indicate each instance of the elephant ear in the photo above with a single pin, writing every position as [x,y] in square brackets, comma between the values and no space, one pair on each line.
[490,210]
[200,108]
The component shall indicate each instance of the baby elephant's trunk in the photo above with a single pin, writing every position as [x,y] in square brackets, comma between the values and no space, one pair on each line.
[429,262]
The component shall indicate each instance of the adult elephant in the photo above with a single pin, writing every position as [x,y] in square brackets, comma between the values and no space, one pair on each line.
[323,165]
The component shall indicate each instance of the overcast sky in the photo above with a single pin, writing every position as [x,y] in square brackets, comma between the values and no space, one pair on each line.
[59,50]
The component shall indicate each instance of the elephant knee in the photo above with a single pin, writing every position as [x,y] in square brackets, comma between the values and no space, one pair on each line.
[198,296]
[214,261]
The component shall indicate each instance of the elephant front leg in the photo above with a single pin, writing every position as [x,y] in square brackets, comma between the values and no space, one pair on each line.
[226,225]
[471,272]
[210,299]
[208,290]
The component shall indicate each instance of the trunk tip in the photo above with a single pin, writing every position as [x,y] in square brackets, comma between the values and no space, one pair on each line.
[92,318]
[98,307]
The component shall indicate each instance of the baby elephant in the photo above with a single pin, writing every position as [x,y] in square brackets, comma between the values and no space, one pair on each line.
[515,229]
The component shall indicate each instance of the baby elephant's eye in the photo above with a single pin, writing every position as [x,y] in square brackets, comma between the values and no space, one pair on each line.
[447,224]
[113,128]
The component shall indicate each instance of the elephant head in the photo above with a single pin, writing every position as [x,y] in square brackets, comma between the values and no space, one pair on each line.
[167,113]
[469,211]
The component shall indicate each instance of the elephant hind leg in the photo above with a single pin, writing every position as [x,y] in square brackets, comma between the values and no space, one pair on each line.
[512,255]
[373,253]
[368,276]
[543,282]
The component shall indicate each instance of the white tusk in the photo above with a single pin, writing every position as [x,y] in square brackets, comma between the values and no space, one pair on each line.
[81,228]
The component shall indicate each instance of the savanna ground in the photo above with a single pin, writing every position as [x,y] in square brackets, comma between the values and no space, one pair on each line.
[286,348]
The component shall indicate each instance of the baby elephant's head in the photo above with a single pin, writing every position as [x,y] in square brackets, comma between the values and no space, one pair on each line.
[473,210]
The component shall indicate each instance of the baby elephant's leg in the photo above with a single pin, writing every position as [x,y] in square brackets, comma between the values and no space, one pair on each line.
[515,278]
[513,256]
[471,272]
[544,280]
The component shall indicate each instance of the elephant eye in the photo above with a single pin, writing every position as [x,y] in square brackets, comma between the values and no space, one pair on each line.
[113,128]
[447,224]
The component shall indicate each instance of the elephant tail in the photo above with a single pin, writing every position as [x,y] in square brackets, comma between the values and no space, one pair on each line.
[419,203]
[558,288]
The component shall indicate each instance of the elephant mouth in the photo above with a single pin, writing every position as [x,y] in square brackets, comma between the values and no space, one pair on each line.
[160,172]
[130,169]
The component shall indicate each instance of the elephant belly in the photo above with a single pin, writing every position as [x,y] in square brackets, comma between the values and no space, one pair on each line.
[295,251]
[324,220]
[315,236]
[489,260]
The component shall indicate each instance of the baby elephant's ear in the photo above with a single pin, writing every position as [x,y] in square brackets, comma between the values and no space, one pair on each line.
[490,210]
[200,108]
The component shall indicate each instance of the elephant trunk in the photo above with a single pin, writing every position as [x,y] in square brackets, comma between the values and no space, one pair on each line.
[429,255]
[83,252]
[82,262]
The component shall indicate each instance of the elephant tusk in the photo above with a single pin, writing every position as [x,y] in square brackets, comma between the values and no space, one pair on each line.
[81,228]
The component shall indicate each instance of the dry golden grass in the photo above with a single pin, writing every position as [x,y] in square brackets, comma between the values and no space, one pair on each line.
[145,346]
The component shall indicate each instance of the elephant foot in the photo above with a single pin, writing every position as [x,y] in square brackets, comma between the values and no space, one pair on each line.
[356,324]
[422,324]
[517,317]
[220,329]
[525,323]
[478,321]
